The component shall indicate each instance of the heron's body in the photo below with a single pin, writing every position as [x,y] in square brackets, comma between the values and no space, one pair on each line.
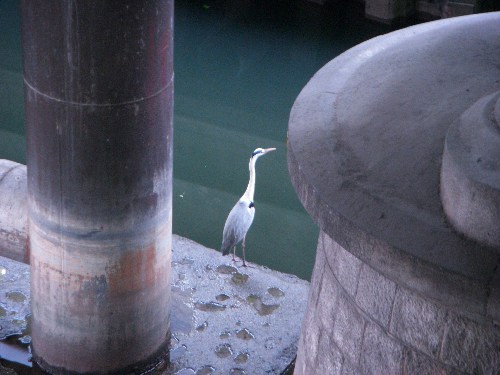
[237,224]
[241,216]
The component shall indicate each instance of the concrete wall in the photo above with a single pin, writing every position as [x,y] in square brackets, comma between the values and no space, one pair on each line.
[394,11]
[359,321]
[389,11]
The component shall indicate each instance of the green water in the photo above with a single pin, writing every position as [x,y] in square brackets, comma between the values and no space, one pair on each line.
[239,65]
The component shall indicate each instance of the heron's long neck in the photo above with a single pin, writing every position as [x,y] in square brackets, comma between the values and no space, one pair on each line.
[251,183]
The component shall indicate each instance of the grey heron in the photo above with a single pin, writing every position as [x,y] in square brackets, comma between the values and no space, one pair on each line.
[241,216]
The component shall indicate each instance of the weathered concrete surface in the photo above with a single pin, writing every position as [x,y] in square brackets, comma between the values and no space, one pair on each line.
[233,318]
[396,288]
[225,319]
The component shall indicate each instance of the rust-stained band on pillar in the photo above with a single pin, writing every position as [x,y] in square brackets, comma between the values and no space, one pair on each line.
[98,88]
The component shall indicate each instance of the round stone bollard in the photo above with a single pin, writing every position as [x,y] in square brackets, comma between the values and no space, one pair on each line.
[13,212]
[401,285]
[98,89]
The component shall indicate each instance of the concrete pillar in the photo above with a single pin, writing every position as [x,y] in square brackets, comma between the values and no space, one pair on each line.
[98,89]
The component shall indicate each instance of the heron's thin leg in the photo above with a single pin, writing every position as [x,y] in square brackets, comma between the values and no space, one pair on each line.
[243,248]
[234,253]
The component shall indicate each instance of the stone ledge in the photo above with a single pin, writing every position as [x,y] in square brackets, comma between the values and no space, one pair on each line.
[224,318]
[254,311]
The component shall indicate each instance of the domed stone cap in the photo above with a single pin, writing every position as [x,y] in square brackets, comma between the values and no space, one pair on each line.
[470,172]
[366,138]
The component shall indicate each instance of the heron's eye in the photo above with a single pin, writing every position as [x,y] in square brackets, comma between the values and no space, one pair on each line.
[258,151]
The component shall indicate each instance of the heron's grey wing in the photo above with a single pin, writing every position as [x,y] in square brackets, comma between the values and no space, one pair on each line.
[237,224]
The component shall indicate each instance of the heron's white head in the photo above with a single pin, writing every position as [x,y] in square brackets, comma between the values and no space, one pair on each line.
[261,151]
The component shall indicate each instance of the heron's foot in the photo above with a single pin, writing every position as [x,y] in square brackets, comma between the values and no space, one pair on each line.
[236,260]
[247,265]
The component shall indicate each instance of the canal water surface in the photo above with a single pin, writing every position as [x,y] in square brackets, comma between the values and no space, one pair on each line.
[239,65]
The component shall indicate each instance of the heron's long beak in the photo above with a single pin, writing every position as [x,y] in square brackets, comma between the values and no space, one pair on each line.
[266,150]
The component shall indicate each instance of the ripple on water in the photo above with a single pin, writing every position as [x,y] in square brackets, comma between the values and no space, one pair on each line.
[223,350]
[209,306]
